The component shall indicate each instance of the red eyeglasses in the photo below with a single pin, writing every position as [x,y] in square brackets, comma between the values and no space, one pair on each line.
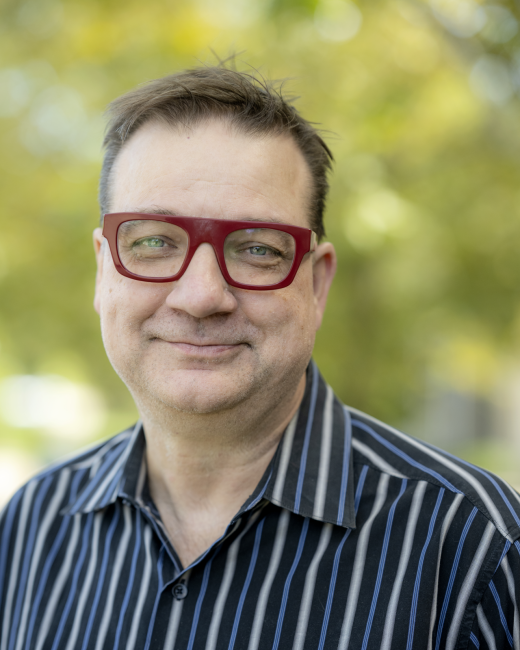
[251,254]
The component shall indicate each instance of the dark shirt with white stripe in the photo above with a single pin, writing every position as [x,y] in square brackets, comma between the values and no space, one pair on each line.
[357,536]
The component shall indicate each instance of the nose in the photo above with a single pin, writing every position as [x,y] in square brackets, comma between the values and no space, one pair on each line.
[202,290]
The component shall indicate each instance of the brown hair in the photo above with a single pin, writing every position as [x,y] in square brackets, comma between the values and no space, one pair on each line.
[249,102]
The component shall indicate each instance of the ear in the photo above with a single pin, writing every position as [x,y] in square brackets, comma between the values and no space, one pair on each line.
[99,250]
[324,269]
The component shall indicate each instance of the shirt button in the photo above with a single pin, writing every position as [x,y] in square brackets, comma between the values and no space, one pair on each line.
[180,591]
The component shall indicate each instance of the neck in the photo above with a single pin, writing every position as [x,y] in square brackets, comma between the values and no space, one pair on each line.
[202,468]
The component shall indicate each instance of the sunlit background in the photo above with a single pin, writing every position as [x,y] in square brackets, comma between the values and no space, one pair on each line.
[421,104]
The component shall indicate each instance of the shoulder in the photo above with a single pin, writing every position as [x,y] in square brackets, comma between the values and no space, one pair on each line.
[399,455]
[57,486]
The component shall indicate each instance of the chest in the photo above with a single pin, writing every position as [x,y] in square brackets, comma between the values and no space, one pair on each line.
[277,580]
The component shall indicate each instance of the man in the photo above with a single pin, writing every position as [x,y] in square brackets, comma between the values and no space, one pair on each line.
[249,508]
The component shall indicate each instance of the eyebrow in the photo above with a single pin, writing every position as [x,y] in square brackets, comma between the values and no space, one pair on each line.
[164,212]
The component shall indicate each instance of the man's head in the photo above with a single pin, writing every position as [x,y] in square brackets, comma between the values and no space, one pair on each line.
[200,345]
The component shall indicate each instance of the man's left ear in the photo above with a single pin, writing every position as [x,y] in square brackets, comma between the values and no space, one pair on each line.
[323,271]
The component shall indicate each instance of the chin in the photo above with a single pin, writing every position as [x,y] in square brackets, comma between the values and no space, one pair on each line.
[203,393]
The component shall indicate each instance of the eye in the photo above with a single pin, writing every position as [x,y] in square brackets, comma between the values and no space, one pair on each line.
[151,242]
[259,250]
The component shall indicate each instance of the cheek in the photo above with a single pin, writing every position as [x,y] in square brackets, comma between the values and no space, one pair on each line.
[126,303]
[285,317]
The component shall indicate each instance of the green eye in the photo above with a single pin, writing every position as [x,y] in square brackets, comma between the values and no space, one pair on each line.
[258,250]
[151,242]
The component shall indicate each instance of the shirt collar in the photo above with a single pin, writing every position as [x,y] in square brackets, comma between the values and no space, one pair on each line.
[311,473]
[312,470]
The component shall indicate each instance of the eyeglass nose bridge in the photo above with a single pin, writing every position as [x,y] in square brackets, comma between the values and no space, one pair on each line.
[193,248]
[205,231]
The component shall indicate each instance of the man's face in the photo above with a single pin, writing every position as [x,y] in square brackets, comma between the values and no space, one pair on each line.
[197,344]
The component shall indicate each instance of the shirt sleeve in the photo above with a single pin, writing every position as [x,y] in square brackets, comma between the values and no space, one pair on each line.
[497,624]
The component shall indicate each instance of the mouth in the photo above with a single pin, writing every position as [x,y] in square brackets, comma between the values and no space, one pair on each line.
[203,350]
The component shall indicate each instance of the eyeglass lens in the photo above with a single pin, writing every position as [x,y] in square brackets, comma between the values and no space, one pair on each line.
[254,256]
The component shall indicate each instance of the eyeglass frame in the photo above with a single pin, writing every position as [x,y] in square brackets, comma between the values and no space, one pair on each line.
[203,230]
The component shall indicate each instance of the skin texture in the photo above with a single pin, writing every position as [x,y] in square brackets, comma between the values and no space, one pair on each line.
[216,372]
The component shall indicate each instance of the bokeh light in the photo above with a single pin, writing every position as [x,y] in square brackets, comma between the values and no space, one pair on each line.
[419,100]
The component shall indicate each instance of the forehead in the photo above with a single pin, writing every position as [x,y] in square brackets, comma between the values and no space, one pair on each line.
[212,170]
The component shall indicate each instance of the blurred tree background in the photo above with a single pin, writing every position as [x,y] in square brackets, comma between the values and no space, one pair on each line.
[421,105]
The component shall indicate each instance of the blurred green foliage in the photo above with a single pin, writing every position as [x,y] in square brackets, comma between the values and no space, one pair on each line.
[420,106]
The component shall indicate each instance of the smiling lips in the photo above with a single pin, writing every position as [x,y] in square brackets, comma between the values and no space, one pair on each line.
[207,351]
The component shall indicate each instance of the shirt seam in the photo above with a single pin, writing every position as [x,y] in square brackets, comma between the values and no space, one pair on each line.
[431,481]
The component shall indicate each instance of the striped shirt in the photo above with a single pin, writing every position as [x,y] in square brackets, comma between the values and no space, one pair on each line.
[357,536]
